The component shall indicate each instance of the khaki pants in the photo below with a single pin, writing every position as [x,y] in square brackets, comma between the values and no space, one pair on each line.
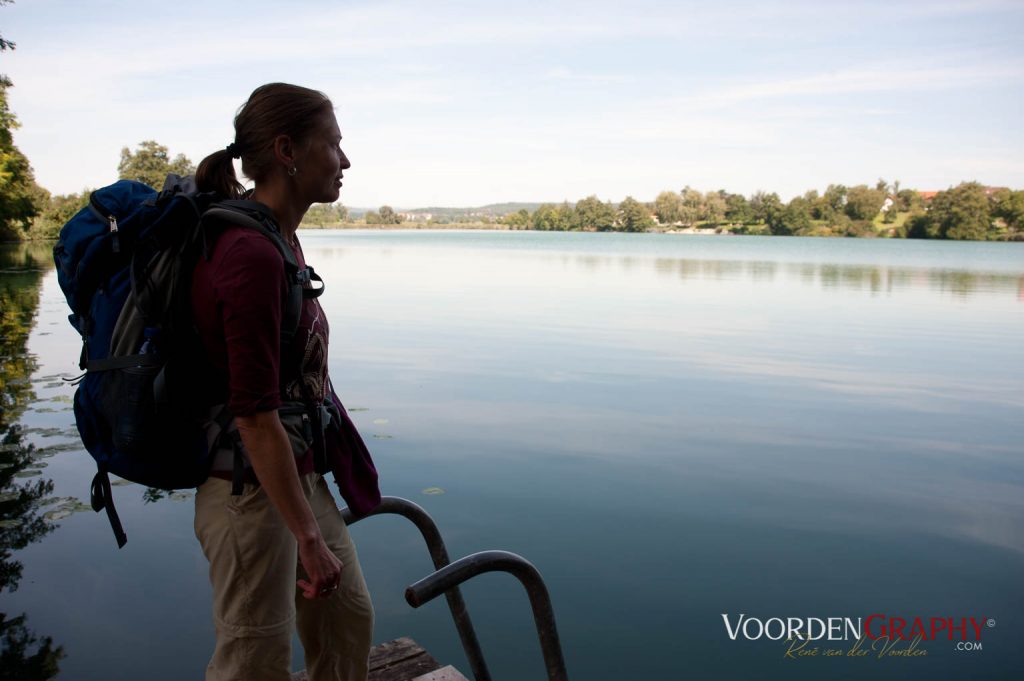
[253,568]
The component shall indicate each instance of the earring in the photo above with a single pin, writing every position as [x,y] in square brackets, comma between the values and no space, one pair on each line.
[292,171]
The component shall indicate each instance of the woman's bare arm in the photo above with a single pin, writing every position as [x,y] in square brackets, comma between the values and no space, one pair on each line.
[271,455]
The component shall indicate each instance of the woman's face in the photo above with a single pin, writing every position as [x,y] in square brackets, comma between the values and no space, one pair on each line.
[319,169]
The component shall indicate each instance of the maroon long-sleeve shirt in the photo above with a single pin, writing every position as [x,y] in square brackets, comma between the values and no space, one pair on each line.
[237,297]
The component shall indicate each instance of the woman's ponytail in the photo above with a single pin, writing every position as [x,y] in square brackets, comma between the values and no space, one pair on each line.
[216,173]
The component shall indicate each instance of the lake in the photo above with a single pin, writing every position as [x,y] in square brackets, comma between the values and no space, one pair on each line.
[672,428]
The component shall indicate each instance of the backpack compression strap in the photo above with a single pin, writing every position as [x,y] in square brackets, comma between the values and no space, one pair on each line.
[101,497]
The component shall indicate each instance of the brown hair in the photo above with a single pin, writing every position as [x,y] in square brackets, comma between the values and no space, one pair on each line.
[272,109]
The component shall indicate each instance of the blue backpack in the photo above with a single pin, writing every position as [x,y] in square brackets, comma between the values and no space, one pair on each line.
[125,265]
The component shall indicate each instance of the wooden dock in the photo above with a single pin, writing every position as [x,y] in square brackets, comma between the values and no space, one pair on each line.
[403,660]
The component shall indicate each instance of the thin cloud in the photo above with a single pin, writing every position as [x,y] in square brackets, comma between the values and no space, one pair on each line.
[877,79]
[563,73]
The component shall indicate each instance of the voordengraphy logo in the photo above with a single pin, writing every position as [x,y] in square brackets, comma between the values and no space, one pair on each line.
[779,628]
[878,634]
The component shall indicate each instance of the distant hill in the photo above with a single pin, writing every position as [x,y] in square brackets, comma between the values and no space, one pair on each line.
[453,214]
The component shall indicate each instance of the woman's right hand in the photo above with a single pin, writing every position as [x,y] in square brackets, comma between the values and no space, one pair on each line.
[322,567]
[271,455]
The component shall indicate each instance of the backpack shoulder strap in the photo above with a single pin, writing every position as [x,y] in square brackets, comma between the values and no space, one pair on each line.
[256,216]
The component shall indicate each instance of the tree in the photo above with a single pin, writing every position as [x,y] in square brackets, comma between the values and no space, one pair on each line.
[20,196]
[518,220]
[634,216]
[388,216]
[834,202]
[565,212]
[961,213]
[18,189]
[591,214]
[550,217]
[692,206]
[151,164]
[920,227]
[668,206]
[1009,206]
[323,214]
[372,218]
[714,207]
[738,210]
[863,203]
[816,205]
[859,228]
[57,210]
[766,207]
[795,218]
[908,200]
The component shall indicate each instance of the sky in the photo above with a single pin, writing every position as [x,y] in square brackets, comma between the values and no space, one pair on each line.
[470,103]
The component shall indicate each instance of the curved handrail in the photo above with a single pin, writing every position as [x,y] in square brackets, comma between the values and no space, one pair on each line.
[448,578]
[439,555]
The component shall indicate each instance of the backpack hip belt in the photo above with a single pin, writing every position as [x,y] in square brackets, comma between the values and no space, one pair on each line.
[304,424]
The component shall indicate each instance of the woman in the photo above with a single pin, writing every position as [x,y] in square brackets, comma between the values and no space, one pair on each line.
[280,554]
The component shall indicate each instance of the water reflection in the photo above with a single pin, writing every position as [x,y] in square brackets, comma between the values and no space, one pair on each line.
[880,267]
[23,494]
[828,276]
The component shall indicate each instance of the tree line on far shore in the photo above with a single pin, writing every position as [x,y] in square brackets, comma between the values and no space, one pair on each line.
[968,211]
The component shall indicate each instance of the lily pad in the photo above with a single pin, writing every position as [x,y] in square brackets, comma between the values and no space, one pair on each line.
[8,524]
[433,491]
[352,409]
[9,496]
[378,436]
[62,501]
[380,422]
[45,432]
[67,507]
[50,450]
[180,495]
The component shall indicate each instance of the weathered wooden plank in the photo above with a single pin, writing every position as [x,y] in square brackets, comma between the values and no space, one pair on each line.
[393,652]
[399,660]
[447,673]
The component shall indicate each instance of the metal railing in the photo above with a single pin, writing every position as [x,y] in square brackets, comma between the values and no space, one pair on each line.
[466,568]
[448,576]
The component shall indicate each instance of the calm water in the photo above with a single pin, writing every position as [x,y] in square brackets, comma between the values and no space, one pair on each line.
[669,427]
